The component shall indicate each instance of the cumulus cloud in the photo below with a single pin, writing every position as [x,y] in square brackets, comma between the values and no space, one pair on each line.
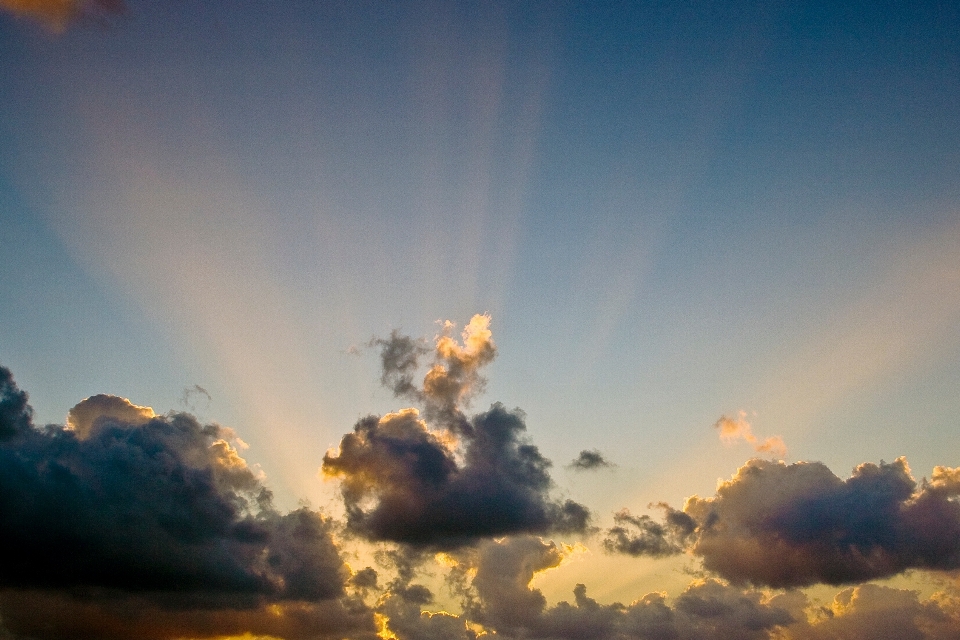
[130,524]
[738,428]
[16,416]
[157,511]
[794,525]
[58,14]
[440,478]
[104,409]
[402,482]
[501,599]
[588,460]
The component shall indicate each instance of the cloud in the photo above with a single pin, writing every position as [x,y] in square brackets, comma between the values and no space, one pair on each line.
[642,536]
[127,507]
[590,460]
[16,416]
[500,598]
[55,615]
[402,482]
[58,14]
[138,525]
[448,486]
[795,525]
[453,377]
[196,391]
[102,409]
[875,612]
[738,428]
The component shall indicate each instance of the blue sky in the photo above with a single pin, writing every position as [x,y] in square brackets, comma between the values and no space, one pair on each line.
[670,211]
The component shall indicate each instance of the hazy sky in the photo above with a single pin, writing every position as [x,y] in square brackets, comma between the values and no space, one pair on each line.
[698,234]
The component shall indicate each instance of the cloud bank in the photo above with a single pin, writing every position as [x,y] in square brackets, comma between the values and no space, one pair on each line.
[498,596]
[124,523]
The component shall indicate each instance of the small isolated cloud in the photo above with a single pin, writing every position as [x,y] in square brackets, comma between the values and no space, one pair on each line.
[643,536]
[442,478]
[192,395]
[588,460]
[739,429]
[57,15]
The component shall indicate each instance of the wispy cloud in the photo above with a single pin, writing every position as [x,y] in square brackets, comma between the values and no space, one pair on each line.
[739,429]
[58,14]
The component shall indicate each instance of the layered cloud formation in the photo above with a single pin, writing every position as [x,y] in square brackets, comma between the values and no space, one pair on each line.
[124,523]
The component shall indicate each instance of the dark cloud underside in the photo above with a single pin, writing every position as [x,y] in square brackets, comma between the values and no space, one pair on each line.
[445,479]
[794,525]
[163,511]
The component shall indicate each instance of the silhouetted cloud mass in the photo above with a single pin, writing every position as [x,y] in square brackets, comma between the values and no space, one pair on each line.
[794,525]
[589,460]
[155,510]
[464,479]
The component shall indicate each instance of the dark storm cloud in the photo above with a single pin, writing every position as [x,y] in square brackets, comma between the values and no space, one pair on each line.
[160,510]
[424,495]
[590,460]
[795,525]
[58,14]
[465,479]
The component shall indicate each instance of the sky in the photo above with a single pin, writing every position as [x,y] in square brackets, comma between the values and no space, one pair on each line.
[414,320]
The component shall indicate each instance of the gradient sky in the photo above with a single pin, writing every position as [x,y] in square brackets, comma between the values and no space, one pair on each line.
[671,212]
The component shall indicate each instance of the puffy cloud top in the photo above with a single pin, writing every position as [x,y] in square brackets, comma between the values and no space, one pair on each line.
[106,409]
